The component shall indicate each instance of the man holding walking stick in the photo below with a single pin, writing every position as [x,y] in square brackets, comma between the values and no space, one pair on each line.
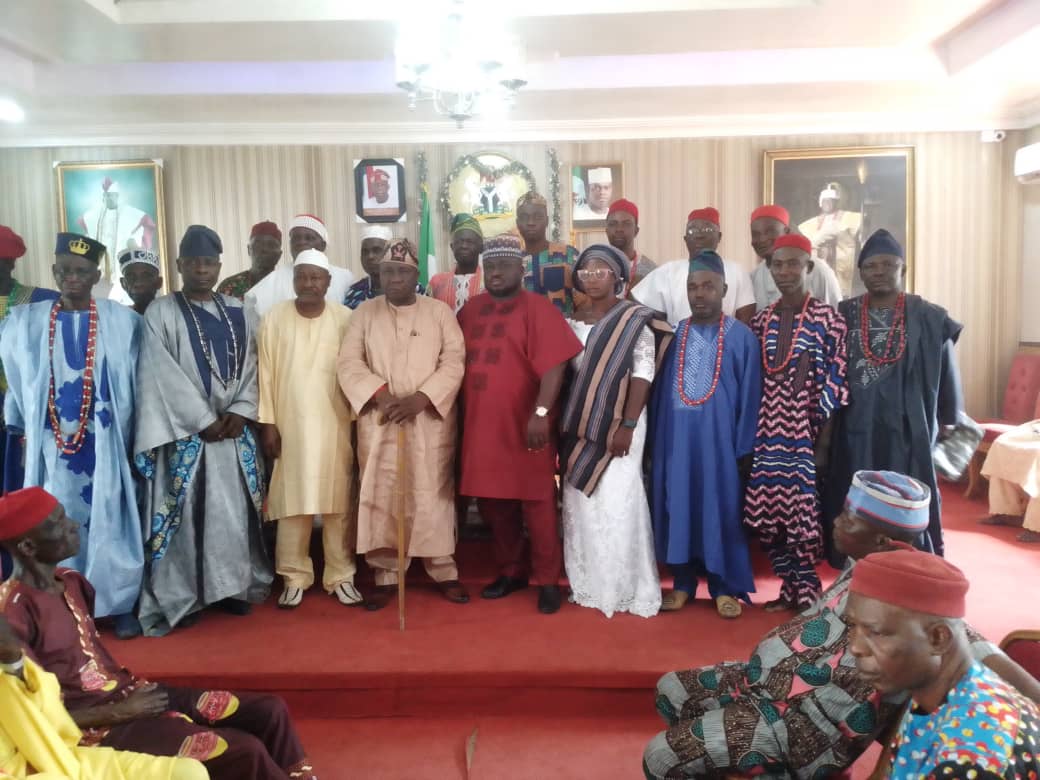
[401,366]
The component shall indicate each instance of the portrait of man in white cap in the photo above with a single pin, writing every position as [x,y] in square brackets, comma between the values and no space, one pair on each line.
[834,234]
[600,194]
[119,226]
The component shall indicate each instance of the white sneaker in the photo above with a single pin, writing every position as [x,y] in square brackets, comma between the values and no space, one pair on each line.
[291,598]
[347,594]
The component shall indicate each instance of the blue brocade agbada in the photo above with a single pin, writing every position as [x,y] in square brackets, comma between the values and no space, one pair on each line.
[696,494]
[95,485]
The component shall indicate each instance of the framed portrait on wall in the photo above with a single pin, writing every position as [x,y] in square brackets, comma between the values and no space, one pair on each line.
[487,185]
[838,197]
[594,186]
[119,204]
[379,190]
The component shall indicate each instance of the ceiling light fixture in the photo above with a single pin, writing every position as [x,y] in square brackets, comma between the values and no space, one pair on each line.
[462,61]
[10,111]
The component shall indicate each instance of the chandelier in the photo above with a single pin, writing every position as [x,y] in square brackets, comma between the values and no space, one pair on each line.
[461,61]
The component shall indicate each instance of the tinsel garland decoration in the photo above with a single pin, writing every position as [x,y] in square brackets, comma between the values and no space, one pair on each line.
[424,171]
[554,192]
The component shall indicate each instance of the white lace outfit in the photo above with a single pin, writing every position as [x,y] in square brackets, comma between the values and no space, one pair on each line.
[608,540]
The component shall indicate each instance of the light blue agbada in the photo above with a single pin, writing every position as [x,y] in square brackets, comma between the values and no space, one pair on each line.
[95,485]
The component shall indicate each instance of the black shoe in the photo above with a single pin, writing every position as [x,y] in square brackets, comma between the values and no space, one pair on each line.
[127,626]
[502,587]
[549,599]
[380,597]
[238,607]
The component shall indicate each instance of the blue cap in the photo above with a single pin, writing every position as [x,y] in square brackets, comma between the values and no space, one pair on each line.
[881,242]
[200,241]
[707,260]
[79,246]
[889,500]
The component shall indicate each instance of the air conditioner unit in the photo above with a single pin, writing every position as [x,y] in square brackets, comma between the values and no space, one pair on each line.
[1027,164]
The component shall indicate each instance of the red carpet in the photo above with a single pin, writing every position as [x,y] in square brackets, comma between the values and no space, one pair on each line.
[568,695]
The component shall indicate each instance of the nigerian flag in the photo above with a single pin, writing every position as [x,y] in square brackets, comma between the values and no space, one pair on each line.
[427,253]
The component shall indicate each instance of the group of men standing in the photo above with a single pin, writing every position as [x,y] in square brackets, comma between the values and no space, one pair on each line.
[158,433]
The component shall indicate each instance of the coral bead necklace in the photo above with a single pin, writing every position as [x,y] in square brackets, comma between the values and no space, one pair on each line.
[73,444]
[782,366]
[720,345]
[898,325]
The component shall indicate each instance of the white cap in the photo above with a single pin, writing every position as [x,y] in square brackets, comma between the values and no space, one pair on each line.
[829,193]
[310,222]
[382,232]
[600,176]
[312,257]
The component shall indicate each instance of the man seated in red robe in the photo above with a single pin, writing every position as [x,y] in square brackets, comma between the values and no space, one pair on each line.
[240,736]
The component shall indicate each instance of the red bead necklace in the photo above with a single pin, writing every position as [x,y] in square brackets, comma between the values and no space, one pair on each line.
[73,444]
[719,347]
[794,338]
[898,323]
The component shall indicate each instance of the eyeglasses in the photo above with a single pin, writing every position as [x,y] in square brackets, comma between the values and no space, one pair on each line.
[599,274]
[701,231]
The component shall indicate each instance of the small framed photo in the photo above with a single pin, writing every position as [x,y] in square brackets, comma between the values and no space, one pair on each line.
[379,190]
[838,197]
[594,186]
[119,204]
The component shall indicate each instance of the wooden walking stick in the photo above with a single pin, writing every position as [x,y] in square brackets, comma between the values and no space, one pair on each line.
[400,502]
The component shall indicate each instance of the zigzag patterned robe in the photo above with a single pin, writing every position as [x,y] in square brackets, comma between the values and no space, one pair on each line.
[782,506]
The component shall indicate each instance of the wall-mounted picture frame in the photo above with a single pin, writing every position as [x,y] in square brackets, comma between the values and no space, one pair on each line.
[838,197]
[379,190]
[486,185]
[119,204]
[594,186]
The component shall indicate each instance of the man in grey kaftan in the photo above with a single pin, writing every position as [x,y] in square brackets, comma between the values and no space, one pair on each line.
[197,390]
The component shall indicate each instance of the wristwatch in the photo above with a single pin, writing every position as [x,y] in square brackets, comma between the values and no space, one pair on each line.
[541,411]
[626,423]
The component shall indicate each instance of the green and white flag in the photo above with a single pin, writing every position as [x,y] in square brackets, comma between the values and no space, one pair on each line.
[427,252]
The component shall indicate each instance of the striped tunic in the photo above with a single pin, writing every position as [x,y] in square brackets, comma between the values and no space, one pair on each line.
[782,506]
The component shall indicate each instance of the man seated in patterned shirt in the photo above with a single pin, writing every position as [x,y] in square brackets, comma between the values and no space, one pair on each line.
[906,630]
[797,708]
[235,735]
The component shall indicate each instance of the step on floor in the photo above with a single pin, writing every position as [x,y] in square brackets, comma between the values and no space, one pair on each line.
[487,748]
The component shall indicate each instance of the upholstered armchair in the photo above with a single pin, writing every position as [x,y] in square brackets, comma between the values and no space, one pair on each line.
[1021,404]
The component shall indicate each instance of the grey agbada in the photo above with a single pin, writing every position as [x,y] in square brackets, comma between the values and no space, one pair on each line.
[205,543]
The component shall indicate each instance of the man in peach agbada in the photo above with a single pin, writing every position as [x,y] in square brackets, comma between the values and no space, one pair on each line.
[401,366]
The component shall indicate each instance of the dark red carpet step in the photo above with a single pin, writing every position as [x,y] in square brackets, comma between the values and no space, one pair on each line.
[517,748]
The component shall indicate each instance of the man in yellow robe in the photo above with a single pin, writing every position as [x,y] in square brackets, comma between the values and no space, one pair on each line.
[305,430]
[40,741]
[401,367]
[834,234]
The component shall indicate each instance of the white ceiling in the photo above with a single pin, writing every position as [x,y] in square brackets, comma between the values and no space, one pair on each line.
[205,71]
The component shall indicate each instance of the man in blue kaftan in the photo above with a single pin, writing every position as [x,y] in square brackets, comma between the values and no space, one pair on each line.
[198,395]
[70,365]
[703,417]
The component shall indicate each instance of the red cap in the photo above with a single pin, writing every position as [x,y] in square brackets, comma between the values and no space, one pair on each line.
[796,240]
[708,214]
[11,245]
[266,229]
[23,510]
[913,580]
[773,212]
[625,205]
